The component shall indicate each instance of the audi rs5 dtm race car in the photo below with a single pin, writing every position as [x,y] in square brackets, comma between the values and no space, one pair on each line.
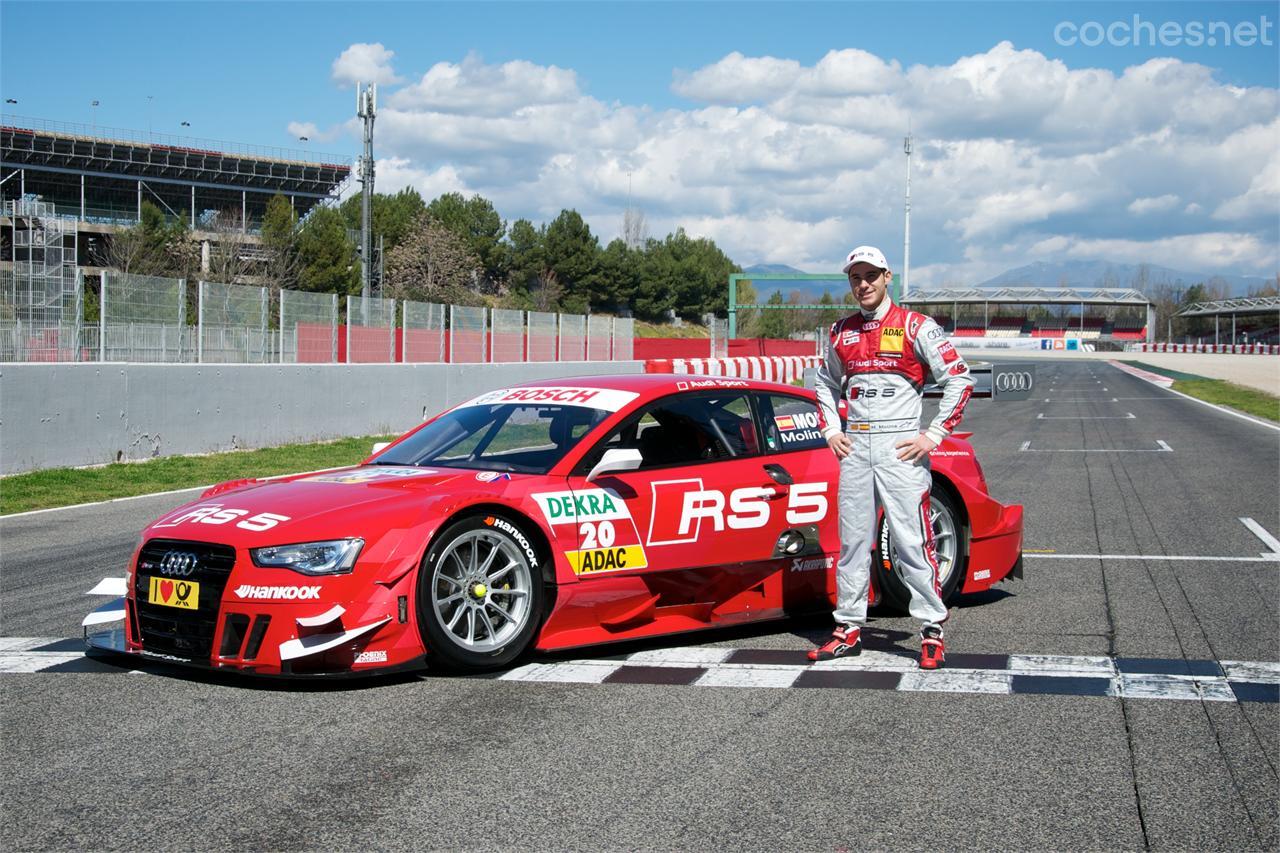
[544,516]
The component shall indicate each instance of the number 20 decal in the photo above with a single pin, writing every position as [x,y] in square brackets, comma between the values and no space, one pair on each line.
[597,534]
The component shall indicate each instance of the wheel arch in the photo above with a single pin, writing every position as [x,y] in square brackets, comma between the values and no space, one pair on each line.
[538,536]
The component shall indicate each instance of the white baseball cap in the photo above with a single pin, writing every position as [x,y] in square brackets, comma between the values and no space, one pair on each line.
[865,254]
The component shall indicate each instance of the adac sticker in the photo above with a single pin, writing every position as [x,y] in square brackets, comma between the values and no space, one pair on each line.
[607,536]
[370,475]
[891,339]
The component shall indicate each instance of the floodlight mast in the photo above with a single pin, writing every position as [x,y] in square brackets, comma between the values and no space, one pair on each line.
[906,243]
[366,108]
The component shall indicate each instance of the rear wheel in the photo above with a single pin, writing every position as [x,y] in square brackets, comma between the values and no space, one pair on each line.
[479,593]
[950,540]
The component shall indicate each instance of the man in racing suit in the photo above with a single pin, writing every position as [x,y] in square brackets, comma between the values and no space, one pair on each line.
[879,359]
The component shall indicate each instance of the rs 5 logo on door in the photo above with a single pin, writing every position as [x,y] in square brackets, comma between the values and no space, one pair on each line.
[679,507]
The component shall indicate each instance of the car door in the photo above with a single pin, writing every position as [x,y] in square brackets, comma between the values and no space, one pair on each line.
[793,443]
[700,518]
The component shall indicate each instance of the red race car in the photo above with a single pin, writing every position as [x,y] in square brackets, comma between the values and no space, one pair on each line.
[544,516]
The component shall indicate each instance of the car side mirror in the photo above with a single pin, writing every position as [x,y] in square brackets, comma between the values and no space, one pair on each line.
[616,459]
[380,446]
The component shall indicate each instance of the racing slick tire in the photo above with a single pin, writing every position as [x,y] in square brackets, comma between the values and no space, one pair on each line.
[479,593]
[951,543]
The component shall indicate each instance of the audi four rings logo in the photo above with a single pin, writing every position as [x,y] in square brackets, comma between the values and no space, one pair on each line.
[1013,381]
[178,564]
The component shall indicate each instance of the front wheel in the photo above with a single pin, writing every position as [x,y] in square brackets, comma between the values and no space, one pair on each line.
[950,538]
[479,593]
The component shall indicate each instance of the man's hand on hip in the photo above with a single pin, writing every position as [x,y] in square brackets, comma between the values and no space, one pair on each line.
[915,449]
[840,445]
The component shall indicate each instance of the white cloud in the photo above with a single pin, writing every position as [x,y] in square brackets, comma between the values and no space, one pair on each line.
[1018,157]
[365,63]
[472,88]
[1154,204]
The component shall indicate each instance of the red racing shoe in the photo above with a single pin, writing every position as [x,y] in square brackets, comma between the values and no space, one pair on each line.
[845,642]
[932,652]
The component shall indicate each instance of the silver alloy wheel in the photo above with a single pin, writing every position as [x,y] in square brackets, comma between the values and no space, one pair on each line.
[480,591]
[944,542]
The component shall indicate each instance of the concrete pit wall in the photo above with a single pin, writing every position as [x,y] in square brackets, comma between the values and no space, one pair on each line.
[58,415]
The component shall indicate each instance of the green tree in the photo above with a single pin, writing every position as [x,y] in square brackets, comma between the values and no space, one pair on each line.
[476,221]
[326,256]
[392,214]
[620,272]
[574,253]
[526,256]
[772,322]
[827,316]
[280,244]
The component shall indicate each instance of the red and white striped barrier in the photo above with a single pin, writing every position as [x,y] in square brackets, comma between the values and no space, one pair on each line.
[771,368]
[1244,349]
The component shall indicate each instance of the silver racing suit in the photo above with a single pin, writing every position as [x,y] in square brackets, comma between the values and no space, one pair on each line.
[879,362]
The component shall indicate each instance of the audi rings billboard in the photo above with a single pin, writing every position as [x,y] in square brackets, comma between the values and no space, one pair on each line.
[1012,381]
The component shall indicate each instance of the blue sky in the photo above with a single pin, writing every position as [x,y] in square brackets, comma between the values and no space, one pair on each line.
[249,72]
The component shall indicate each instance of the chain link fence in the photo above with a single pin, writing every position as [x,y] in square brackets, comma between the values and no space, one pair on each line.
[599,337]
[143,319]
[506,335]
[423,332]
[466,334]
[58,337]
[542,336]
[371,330]
[308,327]
[624,332]
[573,337]
[233,324]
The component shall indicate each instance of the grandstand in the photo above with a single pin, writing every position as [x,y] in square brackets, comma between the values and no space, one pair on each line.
[1100,314]
[101,176]
[1254,319]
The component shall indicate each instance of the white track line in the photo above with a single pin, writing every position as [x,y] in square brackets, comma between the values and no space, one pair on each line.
[1163,448]
[1127,416]
[1261,532]
[1154,557]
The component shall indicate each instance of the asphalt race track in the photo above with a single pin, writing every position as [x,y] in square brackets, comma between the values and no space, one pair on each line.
[1124,695]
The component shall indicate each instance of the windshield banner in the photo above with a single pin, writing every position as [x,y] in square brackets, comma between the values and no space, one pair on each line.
[607,399]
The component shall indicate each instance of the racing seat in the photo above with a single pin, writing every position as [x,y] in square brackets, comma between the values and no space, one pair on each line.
[563,428]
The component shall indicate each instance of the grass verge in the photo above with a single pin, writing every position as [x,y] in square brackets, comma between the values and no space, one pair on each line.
[654,330]
[1220,392]
[1251,401]
[66,486]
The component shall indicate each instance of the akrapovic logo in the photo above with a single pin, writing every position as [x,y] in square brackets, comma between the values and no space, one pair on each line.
[277,593]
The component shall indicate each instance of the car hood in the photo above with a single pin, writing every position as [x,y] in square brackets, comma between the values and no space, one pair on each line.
[360,501]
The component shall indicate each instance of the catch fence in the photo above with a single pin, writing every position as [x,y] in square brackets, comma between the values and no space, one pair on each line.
[145,319]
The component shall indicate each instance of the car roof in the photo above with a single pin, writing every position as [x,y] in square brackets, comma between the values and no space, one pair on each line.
[651,385]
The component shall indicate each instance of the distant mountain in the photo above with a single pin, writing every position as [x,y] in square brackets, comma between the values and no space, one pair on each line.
[1109,274]
[772,269]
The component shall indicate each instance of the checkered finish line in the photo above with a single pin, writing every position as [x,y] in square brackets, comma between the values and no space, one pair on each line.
[874,669]
[1127,678]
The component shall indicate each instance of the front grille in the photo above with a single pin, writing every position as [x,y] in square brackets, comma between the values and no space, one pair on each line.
[175,631]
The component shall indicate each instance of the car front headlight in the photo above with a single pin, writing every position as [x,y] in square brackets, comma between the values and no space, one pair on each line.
[331,557]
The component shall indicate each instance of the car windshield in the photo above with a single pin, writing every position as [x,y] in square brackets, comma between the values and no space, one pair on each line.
[525,438]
